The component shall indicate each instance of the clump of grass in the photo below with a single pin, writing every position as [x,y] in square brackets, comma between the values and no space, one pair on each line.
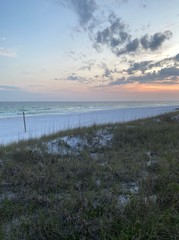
[122,184]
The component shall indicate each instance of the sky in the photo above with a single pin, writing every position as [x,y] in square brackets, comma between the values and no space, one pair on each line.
[89,50]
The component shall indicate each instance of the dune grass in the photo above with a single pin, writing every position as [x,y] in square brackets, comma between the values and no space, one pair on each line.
[116,181]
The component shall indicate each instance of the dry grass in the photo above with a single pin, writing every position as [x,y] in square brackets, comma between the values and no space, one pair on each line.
[113,182]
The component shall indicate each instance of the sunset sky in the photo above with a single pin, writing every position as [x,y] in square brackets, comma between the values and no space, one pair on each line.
[72,50]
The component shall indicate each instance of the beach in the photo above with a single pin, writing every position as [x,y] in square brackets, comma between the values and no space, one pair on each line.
[12,128]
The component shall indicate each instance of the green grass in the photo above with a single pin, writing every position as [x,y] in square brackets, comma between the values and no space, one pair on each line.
[126,188]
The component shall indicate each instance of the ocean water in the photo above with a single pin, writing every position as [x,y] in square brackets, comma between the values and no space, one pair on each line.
[15,109]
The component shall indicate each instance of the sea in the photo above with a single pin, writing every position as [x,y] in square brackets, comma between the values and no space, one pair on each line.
[15,109]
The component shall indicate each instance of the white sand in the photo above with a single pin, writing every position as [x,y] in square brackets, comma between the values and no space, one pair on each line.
[12,129]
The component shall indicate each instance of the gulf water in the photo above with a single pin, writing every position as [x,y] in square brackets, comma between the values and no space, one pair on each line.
[15,109]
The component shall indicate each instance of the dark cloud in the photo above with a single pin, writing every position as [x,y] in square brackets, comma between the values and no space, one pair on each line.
[132,46]
[73,78]
[165,71]
[169,72]
[169,64]
[163,76]
[107,72]
[160,76]
[83,8]
[70,78]
[155,41]
[114,35]
[118,38]
[177,57]
[115,40]
[139,66]
[121,81]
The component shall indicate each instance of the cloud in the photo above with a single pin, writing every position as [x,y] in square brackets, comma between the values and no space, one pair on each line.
[73,77]
[165,71]
[6,87]
[120,81]
[144,66]
[155,41]
[147,65]
[139,66]
[169,72]
[107,72]
[163,76]
[132,46]
[76,78]
[117,37]
[83,8]
[85,68]
[7,52]
[88,65]
[114,35]
[177,57]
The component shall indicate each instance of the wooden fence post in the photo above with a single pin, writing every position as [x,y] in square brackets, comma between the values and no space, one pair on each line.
[24,121]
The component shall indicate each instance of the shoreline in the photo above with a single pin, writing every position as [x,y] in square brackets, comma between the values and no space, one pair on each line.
[12,129]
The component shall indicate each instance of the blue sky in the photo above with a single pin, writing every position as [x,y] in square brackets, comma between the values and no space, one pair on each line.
[64,50]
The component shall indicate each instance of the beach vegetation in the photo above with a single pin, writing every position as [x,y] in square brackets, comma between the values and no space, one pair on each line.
[111,182]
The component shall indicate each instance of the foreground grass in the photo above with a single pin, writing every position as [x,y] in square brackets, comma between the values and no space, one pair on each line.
[118,181]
